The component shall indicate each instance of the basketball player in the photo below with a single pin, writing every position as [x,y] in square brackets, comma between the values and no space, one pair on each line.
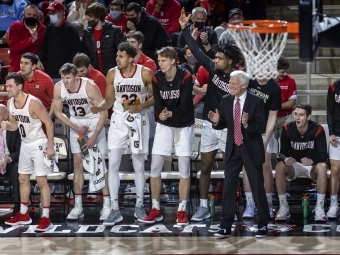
[303,153]
[27,113]
[270,92]
[172,86]
[212,140]
[128,84]
[333,121]
[79,93]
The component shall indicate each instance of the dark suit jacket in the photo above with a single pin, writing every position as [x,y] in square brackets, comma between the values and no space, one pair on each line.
[252,135]
[13,141]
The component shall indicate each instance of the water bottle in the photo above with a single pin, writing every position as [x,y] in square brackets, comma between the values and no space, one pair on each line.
[305,206]
[81,141]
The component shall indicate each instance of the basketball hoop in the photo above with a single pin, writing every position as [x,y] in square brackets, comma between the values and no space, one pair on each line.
[262,43]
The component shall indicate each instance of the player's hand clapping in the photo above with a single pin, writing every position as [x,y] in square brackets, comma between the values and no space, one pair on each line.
[165,114]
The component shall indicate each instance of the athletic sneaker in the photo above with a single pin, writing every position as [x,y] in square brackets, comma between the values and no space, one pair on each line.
[105,212]
[140,213]
[320,214]
[223,233]
[201,214]
[113,218]
[182,218]
[271,212]
[19,219]
[333,211]
[154,216]
[75,214]
[44,224]
[262,232]
[250,211]
[283,213]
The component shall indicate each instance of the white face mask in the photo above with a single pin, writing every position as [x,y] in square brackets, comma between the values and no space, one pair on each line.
[54,19]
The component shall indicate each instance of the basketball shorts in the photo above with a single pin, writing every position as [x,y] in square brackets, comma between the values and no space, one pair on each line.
[301,170]
[271,144]
[212,139]
[334,151]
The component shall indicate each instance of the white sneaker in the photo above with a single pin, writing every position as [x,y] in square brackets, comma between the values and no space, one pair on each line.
[320,214]
[333,211]
[75,214]
[250,211]
[104,213]
[283,213]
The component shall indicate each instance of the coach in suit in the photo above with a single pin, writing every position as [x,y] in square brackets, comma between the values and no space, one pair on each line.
[243,114]
[12,149]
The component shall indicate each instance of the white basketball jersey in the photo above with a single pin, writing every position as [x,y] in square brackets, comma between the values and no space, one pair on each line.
[30,129]
[78,102]
[128,88]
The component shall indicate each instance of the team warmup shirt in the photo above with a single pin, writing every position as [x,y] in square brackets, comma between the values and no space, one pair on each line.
[312,144]
[129,88]
[270,93]
[30,129]
[79,102]
[176,96]
[218,84]
[333,108]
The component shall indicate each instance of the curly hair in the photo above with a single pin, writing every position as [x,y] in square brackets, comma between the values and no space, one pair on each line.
[229,50]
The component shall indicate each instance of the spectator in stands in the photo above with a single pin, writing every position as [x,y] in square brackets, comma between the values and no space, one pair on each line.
[101,38]
[254,9]
[200,90]
[25,36]
[288,96]
[136,39]
[117,15]
[191,63]
[215,10]
[77,11]
[85,69]
[79,26]
[235,15]
[155,34]
[303,153]
[167,12]
[37,83]
[203,35]
[61,42]
[12,143]
[10,11]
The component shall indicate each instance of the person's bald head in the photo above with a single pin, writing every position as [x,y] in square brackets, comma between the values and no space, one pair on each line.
[3,113]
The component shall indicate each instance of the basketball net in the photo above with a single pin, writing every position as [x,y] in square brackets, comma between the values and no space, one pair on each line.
[261,51]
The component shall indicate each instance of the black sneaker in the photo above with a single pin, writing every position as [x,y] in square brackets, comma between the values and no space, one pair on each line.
[223,233]
[262,232]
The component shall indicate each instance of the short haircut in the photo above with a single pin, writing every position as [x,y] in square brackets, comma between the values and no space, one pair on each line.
[31,6]
[34,58]
[199,9]
[98,10]
[283,63]
[136,35]
[129,49]
[244,77]
[305,106]
[118,3]
[17,77]
[68,68]
[167,52]
[134,7]
[229,50]
[81,60]
[78,25]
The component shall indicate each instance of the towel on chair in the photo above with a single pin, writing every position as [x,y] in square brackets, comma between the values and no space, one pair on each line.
[134,121]
[95,165]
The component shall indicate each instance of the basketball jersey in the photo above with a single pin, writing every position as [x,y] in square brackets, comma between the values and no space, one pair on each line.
[78,102]
[30,129]
[128,88]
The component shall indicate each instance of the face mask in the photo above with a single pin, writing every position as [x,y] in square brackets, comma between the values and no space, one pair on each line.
[92,23]
[191,59]
[199,25]
[31,21]
[115,14]
[54,19]
[133,20]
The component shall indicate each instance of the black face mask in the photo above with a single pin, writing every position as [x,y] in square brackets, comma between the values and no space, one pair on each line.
[31,21]
[92,23]
[199,25]
[133,20]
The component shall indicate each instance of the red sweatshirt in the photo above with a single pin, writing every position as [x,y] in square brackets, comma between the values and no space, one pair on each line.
[168,14]
[20,42]
[119,23]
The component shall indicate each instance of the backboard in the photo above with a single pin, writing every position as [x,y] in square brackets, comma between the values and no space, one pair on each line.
[316,29]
